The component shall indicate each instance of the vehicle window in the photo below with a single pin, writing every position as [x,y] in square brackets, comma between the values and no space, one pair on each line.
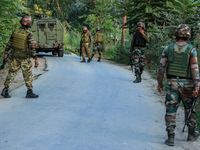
[51,26]
[42,26]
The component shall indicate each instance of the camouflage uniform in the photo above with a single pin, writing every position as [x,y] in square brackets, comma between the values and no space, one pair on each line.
[22,62]
[180,59]
[86,40]
[98,44]
[138,52]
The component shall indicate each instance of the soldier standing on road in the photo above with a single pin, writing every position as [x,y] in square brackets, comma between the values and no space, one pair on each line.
[182,70]
[137,51]
[98,43]
[22,45]
[86,41]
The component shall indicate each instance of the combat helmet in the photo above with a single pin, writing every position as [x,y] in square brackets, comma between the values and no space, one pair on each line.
[84,28]
[97,28]
[26,21]
[141,24]
[183,30]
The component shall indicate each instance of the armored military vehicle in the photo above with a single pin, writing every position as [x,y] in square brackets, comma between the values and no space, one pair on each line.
[48,34]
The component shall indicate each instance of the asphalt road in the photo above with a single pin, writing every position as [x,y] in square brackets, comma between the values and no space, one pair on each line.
[83,106]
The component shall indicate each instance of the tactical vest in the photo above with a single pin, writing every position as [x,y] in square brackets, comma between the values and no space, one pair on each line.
[20,44]
[99,37]
[85,37]
[139,39]
[179,60]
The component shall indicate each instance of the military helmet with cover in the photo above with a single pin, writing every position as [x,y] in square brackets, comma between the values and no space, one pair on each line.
[183,30]
[97,28]
[84,28]
[141,24]
[26,21]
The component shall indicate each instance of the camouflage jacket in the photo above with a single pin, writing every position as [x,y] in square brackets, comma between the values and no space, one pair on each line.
[30,43]
[193,65]
[86,35]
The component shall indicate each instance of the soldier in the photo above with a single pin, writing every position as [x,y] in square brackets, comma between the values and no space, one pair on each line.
[137,51]
[182,72]
[22,45]
[86,41]
[98,44]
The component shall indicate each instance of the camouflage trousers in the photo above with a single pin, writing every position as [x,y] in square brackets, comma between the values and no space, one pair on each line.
[138,57]
[15,65]
[85,49]
[98,47]
[179,90]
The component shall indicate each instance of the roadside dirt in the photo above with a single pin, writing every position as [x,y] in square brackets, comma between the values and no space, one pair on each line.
[19,80]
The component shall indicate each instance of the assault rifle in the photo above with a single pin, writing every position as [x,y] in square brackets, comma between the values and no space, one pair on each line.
[80,51]
[189,114]
[131,61]
[4,62]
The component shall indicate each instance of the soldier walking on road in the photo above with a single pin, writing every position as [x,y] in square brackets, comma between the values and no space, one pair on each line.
[137,51]
[98,44]
[182,70]
[22,45]
[86,41]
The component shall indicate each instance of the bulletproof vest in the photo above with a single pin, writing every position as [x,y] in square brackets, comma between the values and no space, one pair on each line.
[99,37]
[20,44]
[85,38]
[179,60]
[139,39]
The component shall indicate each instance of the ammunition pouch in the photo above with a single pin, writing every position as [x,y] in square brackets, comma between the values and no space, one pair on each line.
[20,44]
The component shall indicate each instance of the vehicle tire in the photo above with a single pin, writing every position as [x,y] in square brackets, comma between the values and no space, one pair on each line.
[60,52]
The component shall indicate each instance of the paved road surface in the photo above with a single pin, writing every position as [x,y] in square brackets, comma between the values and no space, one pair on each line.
[93,106]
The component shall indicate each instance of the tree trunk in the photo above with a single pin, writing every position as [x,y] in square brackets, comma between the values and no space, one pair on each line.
[123,28]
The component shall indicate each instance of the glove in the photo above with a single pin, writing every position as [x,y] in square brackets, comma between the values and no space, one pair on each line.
[160,88]
[195,93]
[36,63]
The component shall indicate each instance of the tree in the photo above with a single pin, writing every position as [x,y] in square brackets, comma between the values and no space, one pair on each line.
[100,16]
[184,10]
[11,11]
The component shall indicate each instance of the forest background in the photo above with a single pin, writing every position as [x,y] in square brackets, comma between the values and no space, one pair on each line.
[160,17]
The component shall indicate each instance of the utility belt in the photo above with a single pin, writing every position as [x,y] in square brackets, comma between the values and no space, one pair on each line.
[176,77]
[138,47]
[21,54]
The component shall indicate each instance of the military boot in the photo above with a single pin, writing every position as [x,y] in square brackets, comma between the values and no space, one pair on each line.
[92,57]
[88,61]
[140,78]
[170,140]
[30,94]
[137,80]
[192,134]
[83,61]
[5,93]
[99,59]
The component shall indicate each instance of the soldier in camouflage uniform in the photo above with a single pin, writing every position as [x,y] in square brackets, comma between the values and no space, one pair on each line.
[137,51]
[182,70]
[98,44]
[22,45]
[86,41]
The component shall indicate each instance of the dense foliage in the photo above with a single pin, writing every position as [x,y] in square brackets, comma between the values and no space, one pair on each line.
[108,14]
